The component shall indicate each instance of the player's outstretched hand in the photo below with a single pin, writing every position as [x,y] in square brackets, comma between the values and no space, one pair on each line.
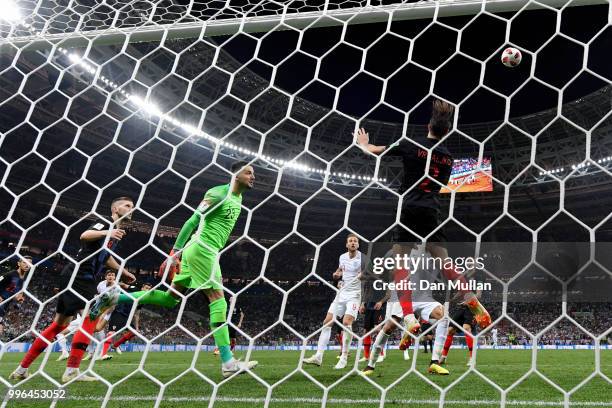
[117,234]
[173,269]
[362,137]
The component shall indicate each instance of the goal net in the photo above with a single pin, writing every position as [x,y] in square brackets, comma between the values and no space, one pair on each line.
[156,100]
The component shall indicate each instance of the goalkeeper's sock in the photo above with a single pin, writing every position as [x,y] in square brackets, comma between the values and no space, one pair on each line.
[469,341]
[150,297]
[218,312]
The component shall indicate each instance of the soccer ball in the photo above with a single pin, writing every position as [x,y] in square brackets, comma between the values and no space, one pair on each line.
[511,57]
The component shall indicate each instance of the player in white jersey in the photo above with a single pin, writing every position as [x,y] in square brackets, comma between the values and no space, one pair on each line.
[99,334]
[424,305]
[494,337]
[107,283]
[346,302]
[62,337]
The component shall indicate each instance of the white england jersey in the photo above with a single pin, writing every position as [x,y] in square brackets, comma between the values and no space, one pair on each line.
[103,287]
[351,267]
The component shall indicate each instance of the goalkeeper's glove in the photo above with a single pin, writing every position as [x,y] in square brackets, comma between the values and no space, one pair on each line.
[173,269]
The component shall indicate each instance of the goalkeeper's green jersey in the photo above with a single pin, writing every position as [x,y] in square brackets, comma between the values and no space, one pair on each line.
[218,223]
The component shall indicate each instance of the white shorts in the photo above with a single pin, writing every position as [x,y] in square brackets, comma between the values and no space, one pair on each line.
[341,307]
[74,324]
[393,309]
[424,309]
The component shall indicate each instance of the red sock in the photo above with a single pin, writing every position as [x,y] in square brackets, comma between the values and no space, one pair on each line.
[451,274]
[405,297]
[382,351]
[447,344]
[128,335]
[469,340]
[232,344]
[40,345]
[80,341]
[367,343]
[108,342]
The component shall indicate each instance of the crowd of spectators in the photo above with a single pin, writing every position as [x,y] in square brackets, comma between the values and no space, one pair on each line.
[305,308]
[287,279]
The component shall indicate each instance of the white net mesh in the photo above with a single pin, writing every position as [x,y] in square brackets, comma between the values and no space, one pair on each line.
[156,100]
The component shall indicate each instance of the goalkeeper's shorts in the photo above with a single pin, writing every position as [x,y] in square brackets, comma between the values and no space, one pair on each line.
[199,269]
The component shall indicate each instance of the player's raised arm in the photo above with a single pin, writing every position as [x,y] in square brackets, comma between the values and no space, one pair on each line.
[363,140]
[211,199]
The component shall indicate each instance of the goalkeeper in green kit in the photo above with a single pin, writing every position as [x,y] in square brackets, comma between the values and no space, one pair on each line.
[209,229]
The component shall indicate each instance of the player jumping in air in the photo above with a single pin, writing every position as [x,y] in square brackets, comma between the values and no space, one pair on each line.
[346,302]
[93,259]
[426,307]
[421,205]
[209,228]
[11,285]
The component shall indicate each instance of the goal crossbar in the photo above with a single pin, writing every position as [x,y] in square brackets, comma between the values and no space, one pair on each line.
[298,20]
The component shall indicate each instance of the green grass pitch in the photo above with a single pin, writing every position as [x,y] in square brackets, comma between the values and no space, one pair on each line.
[184,388]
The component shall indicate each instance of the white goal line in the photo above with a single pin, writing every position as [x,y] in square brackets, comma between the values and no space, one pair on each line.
[251,400]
